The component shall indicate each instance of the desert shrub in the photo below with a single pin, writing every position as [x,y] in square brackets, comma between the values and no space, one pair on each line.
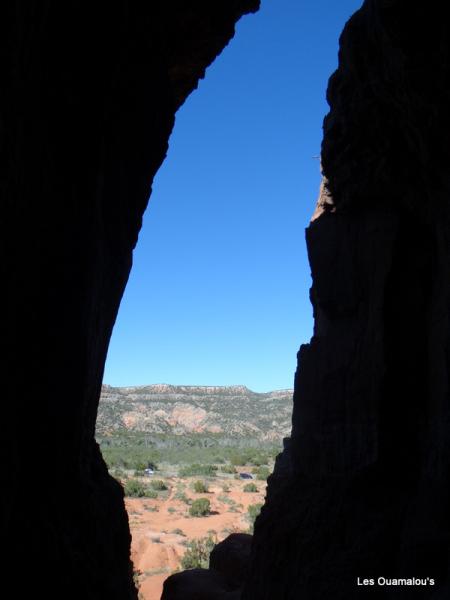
[225,499]
[238,459]
[200,487]
[253,511]
[138,473]
[178,531]
[200,507]
[248,456]
[182,496]
[228,469]
[136,489]
[197,553]
[158,484]
[258,459]
[127,453]
[225,488]
[151,494]
[171,509]
[198,469]
[250,487]
[262,473]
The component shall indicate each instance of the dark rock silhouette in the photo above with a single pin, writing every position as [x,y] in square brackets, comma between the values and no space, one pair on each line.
[231,557]
[362,489]
[199,584]
[88,97]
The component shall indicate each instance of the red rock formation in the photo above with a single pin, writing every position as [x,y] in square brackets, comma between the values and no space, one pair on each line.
[89,92]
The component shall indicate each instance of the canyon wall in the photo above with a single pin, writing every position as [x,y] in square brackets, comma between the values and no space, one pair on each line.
[89,93]
[363,486]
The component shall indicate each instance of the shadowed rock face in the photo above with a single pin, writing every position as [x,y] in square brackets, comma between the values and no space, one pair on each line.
[89,93]
[367,490]
[88,99]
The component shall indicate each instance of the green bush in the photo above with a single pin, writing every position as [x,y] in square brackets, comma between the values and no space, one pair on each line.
[253,511]
[158,484]
[197,553]
[258,459]
[238,459]
[200,507]
[228,469]
[200,487]
[135,489]
[198,469]
[182,496]
[250,487]
[262,473]
[248,456]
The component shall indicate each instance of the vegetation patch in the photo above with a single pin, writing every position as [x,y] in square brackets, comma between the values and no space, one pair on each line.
[182,497]
[262,473]
[200,487]
[198,469]
[249,456]
[253,511]
[134,488]
[200,507]
[225,499]
[158,484]
[231,469]
[250,487]
[197,553]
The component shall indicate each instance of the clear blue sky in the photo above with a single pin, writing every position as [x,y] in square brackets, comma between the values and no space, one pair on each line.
[219,290]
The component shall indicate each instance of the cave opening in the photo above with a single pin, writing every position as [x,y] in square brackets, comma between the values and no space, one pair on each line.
[218,293]
[360,494]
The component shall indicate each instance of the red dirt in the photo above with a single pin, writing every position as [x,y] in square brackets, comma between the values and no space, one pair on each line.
[156,549]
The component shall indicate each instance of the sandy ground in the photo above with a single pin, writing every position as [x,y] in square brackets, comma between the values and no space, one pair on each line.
[161,528]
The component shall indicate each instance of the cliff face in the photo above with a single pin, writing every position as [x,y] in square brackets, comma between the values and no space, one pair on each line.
[89,93]
[362,489]
[233,414]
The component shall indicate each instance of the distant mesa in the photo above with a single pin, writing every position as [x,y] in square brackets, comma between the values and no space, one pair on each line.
[179,409]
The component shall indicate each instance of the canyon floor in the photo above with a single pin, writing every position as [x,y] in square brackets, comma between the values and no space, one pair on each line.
[162,527]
